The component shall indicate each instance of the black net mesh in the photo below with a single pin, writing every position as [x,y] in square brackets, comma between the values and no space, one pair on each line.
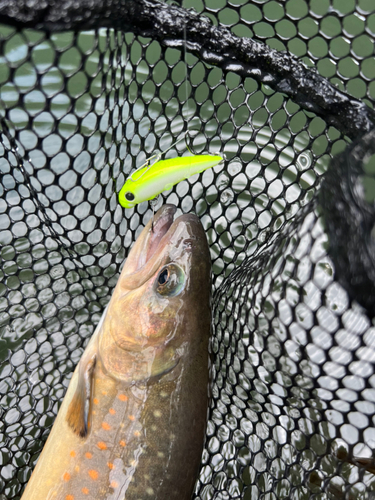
[292,412]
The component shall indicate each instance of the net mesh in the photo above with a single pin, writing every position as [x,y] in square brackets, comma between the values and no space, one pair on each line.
[293,392]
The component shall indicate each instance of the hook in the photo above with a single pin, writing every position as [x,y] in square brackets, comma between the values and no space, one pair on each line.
[188,133]
[189,146]
[157,156]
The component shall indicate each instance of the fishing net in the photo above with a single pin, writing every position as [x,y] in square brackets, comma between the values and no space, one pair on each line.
[293,389]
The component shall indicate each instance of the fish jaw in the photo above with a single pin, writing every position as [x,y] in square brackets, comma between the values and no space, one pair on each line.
[148,239]
[146,330]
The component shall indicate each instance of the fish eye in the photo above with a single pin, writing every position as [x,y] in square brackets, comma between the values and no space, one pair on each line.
[129,196]
[163,277]
[170,281]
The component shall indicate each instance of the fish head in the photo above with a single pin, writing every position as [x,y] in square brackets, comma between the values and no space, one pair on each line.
[160,309]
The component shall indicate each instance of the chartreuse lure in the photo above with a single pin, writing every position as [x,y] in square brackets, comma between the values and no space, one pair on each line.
[150,180]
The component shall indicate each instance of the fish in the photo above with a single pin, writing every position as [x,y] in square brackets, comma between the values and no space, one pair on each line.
[132,423]
[150,180]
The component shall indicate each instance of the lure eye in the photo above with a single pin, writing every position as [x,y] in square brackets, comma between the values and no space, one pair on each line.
[170,281]
[129,196]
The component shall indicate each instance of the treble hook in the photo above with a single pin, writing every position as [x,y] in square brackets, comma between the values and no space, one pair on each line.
[189,146]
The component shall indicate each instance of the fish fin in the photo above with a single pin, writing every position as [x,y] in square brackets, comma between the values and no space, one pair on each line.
[78,412]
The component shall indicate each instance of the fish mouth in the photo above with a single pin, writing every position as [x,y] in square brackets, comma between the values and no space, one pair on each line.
[161,224]
[147,254]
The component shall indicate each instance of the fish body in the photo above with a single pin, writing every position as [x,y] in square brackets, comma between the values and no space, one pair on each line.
[132,423]
[146,183]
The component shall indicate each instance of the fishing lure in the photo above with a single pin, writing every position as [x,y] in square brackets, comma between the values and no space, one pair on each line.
[148,181]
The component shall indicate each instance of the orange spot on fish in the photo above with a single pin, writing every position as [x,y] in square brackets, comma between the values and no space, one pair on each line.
[69,497]
[104,393]
[88,455]
[110,465]
[112,411]
[72,453]
[131,417]
[85,491]
[93,474]
[122,397]
[114,484]
[106,426]
[96,401]
[101,445]
[122,443]
[66,476]
[137,434]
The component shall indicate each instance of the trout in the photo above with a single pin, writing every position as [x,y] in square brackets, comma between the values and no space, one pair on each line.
[132,423]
